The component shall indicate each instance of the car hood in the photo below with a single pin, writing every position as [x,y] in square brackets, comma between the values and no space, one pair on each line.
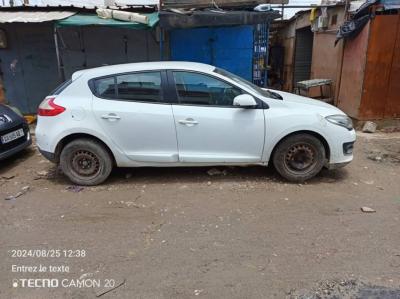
[8,118]
[298,100]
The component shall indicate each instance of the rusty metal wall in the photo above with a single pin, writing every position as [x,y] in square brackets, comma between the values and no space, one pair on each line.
[392,109]
[352,76]
[379,88]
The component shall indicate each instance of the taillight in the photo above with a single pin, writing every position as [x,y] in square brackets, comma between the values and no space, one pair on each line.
[49,108]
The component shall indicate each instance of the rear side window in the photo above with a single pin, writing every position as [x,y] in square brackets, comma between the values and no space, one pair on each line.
[142,87]
[61,87]
[105,88]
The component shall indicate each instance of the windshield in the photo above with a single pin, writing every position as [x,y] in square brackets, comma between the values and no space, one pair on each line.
[248,84]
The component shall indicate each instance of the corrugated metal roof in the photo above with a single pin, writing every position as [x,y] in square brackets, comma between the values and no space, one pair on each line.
[33,16]
[79,5]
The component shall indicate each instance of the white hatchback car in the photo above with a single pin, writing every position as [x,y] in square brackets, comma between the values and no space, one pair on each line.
[166,114]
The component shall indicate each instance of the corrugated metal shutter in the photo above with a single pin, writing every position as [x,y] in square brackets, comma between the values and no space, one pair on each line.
[230,48]
[303,55]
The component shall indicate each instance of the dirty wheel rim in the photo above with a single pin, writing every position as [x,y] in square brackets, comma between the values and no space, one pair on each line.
[85,163]
[300,157]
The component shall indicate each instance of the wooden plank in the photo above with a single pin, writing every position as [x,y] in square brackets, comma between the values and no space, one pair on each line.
[392,109]
[379,61]
[219,3]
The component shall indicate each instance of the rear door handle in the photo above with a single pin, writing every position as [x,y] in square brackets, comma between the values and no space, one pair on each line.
[110,116]
[188,122]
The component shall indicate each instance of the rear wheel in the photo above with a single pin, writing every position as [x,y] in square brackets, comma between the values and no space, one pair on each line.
[86,162]
[299,157]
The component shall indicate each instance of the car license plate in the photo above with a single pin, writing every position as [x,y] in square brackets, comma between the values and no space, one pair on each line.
[12,136]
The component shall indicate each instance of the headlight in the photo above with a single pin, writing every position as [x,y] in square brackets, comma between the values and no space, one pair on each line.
[341,120]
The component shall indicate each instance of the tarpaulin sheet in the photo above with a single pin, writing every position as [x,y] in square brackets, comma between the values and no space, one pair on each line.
[361,17]
[391,4]
[94,20]
[33,16]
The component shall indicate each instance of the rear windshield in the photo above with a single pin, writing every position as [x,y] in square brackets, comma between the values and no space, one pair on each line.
[61,87]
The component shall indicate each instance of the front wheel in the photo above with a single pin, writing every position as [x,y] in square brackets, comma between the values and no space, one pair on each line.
[86,162]
[299,157]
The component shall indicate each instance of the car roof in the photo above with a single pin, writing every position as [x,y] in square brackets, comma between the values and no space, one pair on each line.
[143,66]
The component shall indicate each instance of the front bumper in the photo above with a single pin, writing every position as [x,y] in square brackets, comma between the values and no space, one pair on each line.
[340,142]
[17,148]
[337,165]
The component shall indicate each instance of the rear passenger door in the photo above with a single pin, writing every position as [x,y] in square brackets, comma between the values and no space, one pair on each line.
[133,111]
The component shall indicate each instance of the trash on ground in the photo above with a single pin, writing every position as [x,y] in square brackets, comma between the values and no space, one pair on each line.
[75,188]
[42,173]
[215,171]
[367,210]
[24,190]
[198,292]
[369,127]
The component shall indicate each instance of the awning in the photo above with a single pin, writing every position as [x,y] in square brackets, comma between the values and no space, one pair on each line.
[33,16]
[173,20]
[94,20]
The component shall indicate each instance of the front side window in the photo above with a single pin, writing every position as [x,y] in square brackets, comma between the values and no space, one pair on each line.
[254,88]
[199,89]
[142,87]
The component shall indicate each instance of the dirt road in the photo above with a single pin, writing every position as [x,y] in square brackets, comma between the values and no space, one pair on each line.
[183,233]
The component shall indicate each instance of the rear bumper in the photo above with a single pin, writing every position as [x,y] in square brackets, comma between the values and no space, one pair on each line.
[16,149]
[49,156]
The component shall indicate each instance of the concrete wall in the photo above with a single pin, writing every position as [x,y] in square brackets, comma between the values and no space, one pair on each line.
[326,59]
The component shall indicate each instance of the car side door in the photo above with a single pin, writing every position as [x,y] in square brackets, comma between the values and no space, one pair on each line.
[133,111]
[210,129]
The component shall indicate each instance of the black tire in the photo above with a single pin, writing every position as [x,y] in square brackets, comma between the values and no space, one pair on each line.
[86,162]
[299,157]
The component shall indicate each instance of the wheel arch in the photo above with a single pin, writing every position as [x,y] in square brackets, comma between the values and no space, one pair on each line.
[67,139]
[312,133]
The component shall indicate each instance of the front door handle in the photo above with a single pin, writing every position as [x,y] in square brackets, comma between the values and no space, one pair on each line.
[110,116]
[190,122]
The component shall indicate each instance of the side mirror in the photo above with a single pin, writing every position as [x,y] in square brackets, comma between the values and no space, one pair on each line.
[244,101]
